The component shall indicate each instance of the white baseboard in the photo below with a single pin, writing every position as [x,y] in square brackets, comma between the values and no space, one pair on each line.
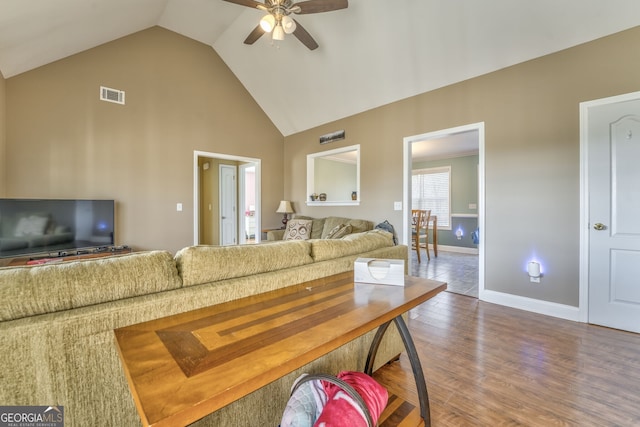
[561,311]
[458,249]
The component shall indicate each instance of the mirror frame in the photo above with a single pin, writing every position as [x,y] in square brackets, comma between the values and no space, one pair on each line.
[311,176]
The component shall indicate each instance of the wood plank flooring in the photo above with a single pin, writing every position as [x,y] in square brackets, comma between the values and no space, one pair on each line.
[488,365]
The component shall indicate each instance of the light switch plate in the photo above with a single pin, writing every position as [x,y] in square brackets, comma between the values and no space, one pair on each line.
[179,207]
[397,206]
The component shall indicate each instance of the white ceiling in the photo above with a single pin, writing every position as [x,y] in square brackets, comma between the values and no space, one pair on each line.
[453,145]
[373,53]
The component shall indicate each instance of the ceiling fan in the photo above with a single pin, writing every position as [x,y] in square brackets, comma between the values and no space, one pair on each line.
[278,22]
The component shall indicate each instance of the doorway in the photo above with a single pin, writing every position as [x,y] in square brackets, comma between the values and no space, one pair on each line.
[247,195]
[610,201]
[228,197]
[208,193]
[455,142]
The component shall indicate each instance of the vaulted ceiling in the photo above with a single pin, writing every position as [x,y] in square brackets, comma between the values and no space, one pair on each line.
[373,53]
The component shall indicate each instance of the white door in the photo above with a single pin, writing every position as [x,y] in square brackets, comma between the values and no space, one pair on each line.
[613,179]
[228,205]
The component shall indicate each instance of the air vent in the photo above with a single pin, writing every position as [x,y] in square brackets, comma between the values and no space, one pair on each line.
[111,95]
[331,137]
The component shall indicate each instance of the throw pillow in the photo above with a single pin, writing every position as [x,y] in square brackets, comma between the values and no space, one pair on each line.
[339,231]
[298,229]
[333,231]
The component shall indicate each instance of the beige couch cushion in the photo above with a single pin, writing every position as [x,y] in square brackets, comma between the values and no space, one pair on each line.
[351,244]
[33,290]
[204,264]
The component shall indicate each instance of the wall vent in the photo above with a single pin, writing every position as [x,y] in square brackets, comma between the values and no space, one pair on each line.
[331,137]
[111,95]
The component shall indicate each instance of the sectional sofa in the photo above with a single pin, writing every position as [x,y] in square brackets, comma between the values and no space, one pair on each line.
[57,345]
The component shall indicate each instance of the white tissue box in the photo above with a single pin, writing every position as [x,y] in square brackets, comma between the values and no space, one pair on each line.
[379,271]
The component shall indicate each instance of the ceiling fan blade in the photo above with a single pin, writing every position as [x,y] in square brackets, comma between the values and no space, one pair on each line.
[316,6]
[248,3]
[304,36]
[254,35]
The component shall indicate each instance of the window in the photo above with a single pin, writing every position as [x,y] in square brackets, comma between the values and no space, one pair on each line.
[431,189]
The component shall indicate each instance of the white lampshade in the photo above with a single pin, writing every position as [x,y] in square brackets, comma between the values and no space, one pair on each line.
[278,33]
[288,24]
[285,207]
[267,23]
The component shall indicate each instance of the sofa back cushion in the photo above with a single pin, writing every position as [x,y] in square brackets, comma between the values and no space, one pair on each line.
[32,290]
[351,244]
[204,264]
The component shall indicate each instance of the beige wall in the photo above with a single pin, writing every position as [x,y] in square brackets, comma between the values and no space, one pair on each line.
[2,134]
[531,115]
[63,142]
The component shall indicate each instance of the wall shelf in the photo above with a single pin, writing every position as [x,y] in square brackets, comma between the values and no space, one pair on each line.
[335,203]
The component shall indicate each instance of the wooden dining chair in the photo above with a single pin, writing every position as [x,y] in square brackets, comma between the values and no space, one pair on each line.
[420,231]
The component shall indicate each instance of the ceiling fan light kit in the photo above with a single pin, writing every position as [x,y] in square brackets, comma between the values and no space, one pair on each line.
[278,22]
[288,24]
[267,23]
[278,33]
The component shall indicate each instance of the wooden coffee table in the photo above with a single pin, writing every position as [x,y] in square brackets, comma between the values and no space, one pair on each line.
[183,367]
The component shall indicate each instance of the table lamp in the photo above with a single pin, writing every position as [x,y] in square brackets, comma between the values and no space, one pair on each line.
[285,208]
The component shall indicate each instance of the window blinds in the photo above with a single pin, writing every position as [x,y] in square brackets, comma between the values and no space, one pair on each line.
[430,189]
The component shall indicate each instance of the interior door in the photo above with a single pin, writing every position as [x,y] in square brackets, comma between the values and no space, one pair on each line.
[613,176]
[228,205]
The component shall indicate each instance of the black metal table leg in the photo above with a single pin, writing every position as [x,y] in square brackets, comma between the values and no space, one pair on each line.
[418,375]
[373,349]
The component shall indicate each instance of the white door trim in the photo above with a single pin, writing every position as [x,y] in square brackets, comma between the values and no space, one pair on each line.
[196,188]
[242,191]
[406,187]
[223,170]
[583,309]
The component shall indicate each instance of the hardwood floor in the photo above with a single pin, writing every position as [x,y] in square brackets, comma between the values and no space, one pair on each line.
[459,270]
[488,365]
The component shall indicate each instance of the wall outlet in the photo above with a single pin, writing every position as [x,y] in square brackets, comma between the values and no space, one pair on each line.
[473,206]
[397,206]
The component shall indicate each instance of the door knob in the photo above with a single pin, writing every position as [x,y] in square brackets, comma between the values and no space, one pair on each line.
[598,226]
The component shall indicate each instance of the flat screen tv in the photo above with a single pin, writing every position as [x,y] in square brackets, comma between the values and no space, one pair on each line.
[41,227]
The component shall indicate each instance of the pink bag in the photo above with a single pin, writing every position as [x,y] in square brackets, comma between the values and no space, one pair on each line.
[353,399]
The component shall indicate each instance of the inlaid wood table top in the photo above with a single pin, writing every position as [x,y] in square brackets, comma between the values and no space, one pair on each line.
[183,367]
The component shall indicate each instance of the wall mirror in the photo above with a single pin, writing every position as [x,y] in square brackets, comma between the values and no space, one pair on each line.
[333,177]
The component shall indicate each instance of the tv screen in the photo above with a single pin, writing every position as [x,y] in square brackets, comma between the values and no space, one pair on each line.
[30,227]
